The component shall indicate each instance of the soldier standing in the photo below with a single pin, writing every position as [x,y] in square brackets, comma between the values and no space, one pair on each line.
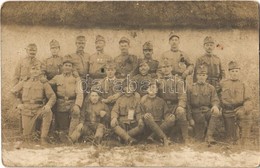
[203,104]
[69,99]
[35,93]
[173,91]
[156,114]
[53,64]
[237,105]
[92,118]
[126,117]
[213,62]
[126,62]
[98,60]
[181,64]
[22,70]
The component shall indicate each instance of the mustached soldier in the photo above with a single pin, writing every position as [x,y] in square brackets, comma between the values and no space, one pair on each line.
[69,99]
[126,117]
[203,103]
[35,93]
[237,105]
[92,118]
[156,114]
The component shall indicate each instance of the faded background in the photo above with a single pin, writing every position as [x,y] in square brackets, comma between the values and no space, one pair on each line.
[234,25]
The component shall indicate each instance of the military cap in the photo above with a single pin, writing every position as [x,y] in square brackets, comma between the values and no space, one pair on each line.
[110,65]
[68,59]
[81,38]
[202,69]
[173,34]
[233,65]
[32,45]
[54,43]
[141,62]
[208,39]
[99,38]
[164,63]
[124,39]
[148,45]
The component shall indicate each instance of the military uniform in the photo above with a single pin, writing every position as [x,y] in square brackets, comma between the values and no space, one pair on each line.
[69,94]
[128,118]
[97,62]
[35,94]
[91,120]
[126,64]
[213,62]
[53,64]
[22,70]
[234,96]
[201,98]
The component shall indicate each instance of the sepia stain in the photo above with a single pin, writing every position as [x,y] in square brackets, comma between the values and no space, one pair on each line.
[219,46]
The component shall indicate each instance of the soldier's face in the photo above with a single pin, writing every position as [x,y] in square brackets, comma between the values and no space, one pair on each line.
[209,47]
[110,72]
[55,50]
[152,90]
[94,97]
[234,74]
[124,47]
[31,51]
[148,53]
[174,42]
[144,69]
[166,69]
[201,78]
[67,67]
[100,45]
[35,71]
[80,45]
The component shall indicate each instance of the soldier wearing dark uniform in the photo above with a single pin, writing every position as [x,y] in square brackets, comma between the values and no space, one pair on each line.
[53,64]
[36,103]
[203,104]
[181,64]
[157,117]
[22,70]
[69,99]
[92,118]
[126,117]
[126,63]
[143,78]
[98,60]
[213,62]
[173,91]
[237,105]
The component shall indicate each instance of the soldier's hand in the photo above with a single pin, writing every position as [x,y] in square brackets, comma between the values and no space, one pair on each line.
[46,108]
[76,109]
[75,73]
[147,116]
[215,111]
[114,122]
[140,122]
[181,109]
[102,113]
[105,100]
[80,126]
[192,123]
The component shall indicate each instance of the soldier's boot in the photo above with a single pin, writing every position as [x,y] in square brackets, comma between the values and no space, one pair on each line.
[44,141]
[46,123]
[231,129]
[184,131]
[124,135]
[74,122]
[75,135]
[24,143]
[199,130]
[136,130]
[245,132]
[211,129]
[99,133]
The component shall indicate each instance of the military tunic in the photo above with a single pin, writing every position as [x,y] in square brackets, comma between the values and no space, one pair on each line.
[125,65]
[97,64]
[142,83]
[53,66]
[81,63]
[153,65]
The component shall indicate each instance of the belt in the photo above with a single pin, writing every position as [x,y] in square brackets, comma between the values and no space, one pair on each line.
[171,102]
[202,109]
[231,107]
[66,98]
[33,101]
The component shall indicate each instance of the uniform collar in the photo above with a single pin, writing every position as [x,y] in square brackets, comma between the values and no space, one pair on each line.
[168,76]
[34,78]
[55,56]
[67,74]
[100,52]
[80,52]
[114,78]
[174,50]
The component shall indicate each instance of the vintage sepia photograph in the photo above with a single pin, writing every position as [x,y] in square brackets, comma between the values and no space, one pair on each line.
[130,84]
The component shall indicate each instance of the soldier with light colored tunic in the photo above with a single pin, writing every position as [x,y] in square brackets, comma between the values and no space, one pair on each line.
[53,64]
[36,103]
[157,116]
[181,64]
[203,103]
[126,62]
[98,60]
[215,70]
[237,105]
[69,99]
[22,70]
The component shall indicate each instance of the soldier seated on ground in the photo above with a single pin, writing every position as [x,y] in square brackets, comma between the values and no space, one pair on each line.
[237,106]
[126,118]
[157,116]
[35,93]
[92,119]
[69,99]
[203,104]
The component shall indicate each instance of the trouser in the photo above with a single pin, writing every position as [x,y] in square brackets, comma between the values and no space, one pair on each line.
[230,124]
[29,123]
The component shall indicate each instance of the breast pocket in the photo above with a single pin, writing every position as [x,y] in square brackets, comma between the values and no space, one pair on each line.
[216,69]
[158,113]
[123,111]
[226,94]
[194,98]
[38,91]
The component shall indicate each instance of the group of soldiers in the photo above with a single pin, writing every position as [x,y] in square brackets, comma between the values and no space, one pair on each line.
[134,97]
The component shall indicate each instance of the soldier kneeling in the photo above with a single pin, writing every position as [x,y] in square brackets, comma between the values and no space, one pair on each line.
[156,114]
[126,118]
